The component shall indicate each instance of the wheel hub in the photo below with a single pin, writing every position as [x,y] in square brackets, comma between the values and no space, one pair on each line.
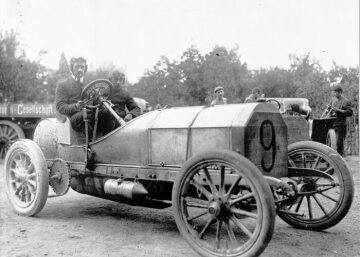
[3,142]
[214,209]
[308,186]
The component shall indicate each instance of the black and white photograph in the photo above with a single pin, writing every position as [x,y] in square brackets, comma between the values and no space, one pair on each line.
[154,128]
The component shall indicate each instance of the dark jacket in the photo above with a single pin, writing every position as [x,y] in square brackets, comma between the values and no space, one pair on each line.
[343,104]
[121,99]
[67,94]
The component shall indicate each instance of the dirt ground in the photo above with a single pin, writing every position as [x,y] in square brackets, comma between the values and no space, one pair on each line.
[81,225]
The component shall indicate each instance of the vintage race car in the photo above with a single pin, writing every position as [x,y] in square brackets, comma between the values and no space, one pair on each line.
[226,171]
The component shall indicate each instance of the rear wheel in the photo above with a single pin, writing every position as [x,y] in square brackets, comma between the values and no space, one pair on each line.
[9,133]
[331,139]
[223,205]
[322,202]
[26,177]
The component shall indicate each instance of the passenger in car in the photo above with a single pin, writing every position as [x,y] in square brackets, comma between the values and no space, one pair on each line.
[122,100]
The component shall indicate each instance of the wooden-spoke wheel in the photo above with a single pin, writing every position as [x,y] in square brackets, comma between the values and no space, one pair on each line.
[9,133]
[223,205]
[331,139]
[322,201]
[26,177]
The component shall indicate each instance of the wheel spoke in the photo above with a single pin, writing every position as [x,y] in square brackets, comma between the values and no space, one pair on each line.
[316,162]
[32,176]
[201,189]
[320,205]
[303,159]
[209,180]
[241,198]
[5,130]
[12,134]
[32,183]
[329,197]
[241,226]
[291,162]
[18,189]
[326,189]
[197,216]
[195,202]
[329,169]
[299,204]
[309,207]
[1,131]
[30,168]
[205,228]
[16,172]
[218,228]
[236,182]
[222,179]
[245,213]
[231,234]
[28,196]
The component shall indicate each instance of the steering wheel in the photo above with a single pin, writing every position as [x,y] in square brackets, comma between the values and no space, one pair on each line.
[97,91]
[275,101]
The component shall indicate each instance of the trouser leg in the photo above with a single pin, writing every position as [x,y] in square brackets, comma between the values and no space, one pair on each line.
[78,124]
[340,132]
[77,121]
[106,121]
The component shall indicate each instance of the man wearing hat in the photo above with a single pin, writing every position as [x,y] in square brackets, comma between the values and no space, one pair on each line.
[219,96]
[341,108]
[124,104]
[68,91]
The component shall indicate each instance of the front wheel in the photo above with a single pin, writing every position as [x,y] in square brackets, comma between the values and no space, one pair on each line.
[322,201]
[223,205]
[26,177]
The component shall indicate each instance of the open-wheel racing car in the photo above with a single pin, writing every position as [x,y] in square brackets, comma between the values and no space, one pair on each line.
[226,170]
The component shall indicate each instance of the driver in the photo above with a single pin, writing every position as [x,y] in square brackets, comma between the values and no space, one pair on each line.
[121,100]
[68,91]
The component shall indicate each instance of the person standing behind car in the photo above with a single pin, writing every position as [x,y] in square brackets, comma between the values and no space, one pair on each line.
[219,96]
[68,91]
[121,100]
[255,94]
[340,108]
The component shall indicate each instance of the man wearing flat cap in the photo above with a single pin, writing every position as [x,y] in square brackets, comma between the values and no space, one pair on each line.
[68,91]
[219,96]
[341,108]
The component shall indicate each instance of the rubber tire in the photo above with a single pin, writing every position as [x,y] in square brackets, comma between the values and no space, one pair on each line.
[14,126]
[37,158]
[331,139]
[253,174]
[347,197]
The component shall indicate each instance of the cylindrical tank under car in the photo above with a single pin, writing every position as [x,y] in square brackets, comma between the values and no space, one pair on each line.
[114,189]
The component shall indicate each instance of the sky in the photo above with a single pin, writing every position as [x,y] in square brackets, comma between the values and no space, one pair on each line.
[134,34]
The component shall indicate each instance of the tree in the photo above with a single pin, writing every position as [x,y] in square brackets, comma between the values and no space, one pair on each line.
[18,75]
[64,68]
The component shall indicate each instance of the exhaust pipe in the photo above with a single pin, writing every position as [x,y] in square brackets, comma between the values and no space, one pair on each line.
[127,189]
